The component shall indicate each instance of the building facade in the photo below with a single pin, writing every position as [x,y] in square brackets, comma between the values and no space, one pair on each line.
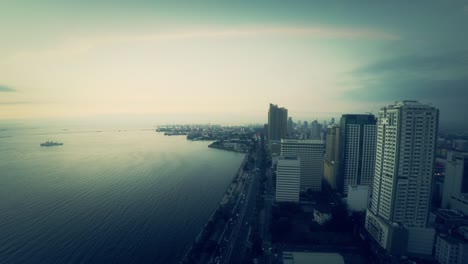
[358,144]
[406,138]
[315,130]
[455,193]
[451,250]
[277,122]
[310,153]
[331,163]
[358,198]
[288,177]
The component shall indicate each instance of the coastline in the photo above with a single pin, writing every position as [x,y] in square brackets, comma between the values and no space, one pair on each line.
[225,199]
[214,146]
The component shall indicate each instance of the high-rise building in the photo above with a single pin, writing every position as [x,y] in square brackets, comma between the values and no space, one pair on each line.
[310,152]
[288,175]
[315,130]
[277,126]
[290,128]
[455,193]
[358,142]
[331,163]
[398,216]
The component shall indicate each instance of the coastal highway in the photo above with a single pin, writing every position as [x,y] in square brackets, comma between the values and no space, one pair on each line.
[232,242]
[269,198]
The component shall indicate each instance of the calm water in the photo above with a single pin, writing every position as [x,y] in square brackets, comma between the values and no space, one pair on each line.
[133,196]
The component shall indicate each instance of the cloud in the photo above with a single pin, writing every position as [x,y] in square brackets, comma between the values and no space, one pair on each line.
[4,88]
[445,90]
[82,44]
[438,79]
[259,31]
[16,103]
[455,63]
[424,76]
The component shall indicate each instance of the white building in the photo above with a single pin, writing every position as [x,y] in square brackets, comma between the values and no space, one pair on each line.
[455,194]
[406,138]
[451,250]
[288,175]
[310,153]
[358,198]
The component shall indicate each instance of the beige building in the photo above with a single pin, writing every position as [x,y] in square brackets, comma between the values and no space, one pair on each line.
[288,177]
[310,153]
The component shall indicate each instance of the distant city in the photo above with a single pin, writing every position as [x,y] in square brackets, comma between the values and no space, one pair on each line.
[234,132]
[390,188]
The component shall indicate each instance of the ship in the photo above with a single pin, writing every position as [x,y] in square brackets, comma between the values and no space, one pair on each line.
[51,144]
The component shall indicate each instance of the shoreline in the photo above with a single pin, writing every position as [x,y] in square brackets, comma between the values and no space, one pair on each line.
[226,149]
[226,196]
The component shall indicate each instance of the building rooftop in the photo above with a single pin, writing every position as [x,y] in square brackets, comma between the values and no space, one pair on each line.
[288,158]
[307,257]
[449,214]
[303,141]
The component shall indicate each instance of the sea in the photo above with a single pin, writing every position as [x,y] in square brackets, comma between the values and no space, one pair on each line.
[113,193]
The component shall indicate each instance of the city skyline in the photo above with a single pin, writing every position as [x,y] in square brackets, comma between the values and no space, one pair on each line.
[200,62]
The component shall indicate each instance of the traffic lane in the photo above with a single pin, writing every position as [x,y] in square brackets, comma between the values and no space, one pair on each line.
[242,237]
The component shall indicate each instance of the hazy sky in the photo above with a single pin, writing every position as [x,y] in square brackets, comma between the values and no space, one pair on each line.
[225,61]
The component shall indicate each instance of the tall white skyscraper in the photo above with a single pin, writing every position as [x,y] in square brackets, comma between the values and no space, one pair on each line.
[406,138]
[310,153]
[288,177]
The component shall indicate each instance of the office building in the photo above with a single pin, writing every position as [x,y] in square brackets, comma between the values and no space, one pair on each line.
[315,130]
[455,192]
[331,164]
[288,176]
[404,167]
[310,153]
[290,128]
[451,250]
[357,142]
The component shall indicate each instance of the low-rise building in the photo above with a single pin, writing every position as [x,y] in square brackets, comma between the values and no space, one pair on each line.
[358,198]
[451,250]
[288,177]
[321,216]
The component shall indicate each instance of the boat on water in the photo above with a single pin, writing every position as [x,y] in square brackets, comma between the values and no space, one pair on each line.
[51,144]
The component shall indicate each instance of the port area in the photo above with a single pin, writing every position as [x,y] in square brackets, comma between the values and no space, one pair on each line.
[230,145]
[224,237]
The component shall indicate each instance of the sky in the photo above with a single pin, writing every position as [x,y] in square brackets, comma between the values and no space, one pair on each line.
[225,61]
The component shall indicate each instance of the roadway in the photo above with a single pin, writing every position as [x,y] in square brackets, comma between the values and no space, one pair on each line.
[235,234]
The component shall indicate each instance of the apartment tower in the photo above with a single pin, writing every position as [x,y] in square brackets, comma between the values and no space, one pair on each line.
[277,127]
[406,138]
[358,142]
